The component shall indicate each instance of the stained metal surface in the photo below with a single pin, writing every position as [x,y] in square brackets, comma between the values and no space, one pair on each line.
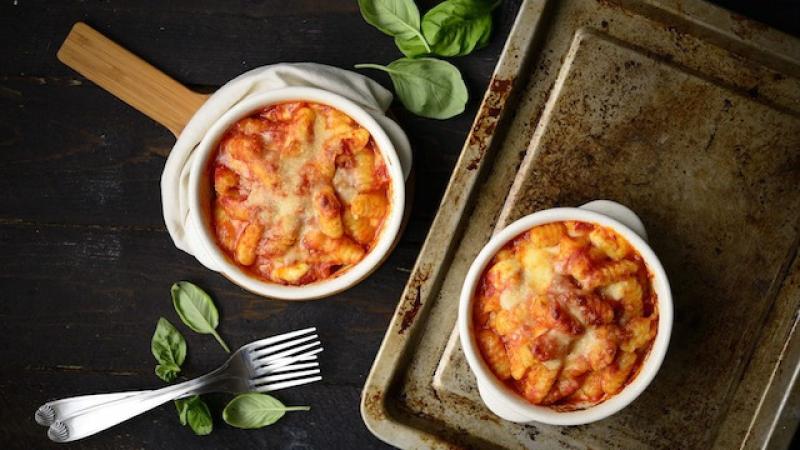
[689,115]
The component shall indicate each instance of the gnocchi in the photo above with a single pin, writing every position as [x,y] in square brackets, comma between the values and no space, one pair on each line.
[299,193]
[565,313]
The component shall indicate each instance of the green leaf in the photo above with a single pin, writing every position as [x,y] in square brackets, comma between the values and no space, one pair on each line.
[167,372]
[196,310]
[182,404]
[427,87]
[169,349]
[397,18]
[194,412]
[457,27]
[254,410]
[411,47]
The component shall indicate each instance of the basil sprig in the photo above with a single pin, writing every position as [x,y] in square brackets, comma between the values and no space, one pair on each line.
[399,19]
[427,87]
[196,310]
[430,87]
[169,348]
[193,411]
[254,410]
[457,27]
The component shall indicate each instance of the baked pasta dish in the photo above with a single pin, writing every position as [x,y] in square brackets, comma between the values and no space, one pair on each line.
[565,313]
[301,192]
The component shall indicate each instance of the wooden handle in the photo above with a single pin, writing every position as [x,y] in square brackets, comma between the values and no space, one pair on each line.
[129,78]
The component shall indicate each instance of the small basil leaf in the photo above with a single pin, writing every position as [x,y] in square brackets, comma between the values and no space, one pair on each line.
[254,410]
[169,350]
[167,372]
[194,412]
[199,419]
[428,87]
[397,18]
[457,27]
[182,405]
[196,310]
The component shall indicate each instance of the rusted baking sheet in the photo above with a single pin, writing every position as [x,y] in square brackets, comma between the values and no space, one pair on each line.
[686,113]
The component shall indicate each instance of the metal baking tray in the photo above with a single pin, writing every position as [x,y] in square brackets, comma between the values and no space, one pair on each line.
[688,114]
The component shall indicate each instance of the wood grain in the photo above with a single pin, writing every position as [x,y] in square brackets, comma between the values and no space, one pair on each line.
[129,78]
[85,260]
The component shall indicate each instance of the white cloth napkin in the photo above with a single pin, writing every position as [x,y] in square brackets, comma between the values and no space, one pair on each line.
[175,180]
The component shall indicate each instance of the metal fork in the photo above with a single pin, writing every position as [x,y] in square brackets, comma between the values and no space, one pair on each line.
[262,366]
[60,410]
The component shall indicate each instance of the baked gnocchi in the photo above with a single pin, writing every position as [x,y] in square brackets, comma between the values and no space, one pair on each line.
[565,314]
[300,193]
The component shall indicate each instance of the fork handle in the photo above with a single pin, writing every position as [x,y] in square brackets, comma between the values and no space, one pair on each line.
[106,415]
[58,410]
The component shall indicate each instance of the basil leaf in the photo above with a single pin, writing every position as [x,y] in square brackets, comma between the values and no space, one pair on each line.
[254,410]
[167,372]
[427,87]
[194,412]
[169,349]
[182,404]
[457,27]
[397,18]
[412,47]
[196,310]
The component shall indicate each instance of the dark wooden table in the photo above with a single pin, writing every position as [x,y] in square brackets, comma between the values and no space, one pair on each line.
[86,259]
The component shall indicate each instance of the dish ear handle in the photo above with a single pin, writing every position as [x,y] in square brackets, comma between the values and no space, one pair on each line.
[620,213]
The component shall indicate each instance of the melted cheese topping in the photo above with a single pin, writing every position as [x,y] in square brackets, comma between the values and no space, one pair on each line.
[300,193]
[565,313]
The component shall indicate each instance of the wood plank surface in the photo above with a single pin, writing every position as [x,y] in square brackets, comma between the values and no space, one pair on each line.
[86,262]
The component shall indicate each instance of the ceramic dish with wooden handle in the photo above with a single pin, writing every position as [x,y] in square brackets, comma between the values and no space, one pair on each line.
[295,193]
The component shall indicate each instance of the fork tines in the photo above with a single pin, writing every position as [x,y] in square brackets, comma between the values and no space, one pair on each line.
[268,353]
[286,384]
[261,343]
[284,361]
